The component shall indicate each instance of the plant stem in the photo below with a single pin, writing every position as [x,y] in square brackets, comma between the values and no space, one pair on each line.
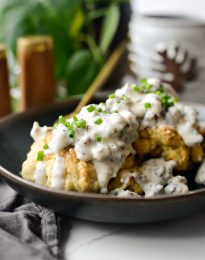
[95,50]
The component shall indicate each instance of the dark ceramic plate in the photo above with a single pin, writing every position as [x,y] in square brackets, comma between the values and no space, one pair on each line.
[14,145]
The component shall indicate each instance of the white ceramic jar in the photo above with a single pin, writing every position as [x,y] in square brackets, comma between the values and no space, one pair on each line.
[152,34]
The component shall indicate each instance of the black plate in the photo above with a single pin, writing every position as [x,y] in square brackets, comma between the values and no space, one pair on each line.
[14,145]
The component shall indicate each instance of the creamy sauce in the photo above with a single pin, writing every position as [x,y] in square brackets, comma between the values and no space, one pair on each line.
[119,192]
[152,189]
[176,185]
[158,171]
[179,116]
[58,173]
[38,132]
[118,131]
[110,129]
[40,173]
[153,175]
[59,139]
[184,119]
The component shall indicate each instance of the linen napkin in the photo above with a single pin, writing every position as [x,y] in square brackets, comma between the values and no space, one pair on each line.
[27,231]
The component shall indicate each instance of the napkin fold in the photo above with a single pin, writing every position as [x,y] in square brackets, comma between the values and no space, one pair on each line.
[27,230]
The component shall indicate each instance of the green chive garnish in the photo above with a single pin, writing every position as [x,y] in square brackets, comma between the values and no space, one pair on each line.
[124,98]
[98,139]
[170,104]
[62,120]
[167,101]
[115,111]
[91,108]
[143,81]
[71,133]
[104,111]
[75,119]
[98,121]
[147,105]
[45,147]
[40,156]
[112,95]
[136,89]
[158,92]
[81,124]
[99,110]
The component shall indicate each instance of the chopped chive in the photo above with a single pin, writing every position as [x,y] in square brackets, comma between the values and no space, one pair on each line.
[158,92]
[104,111]
[40,156]
[98,121]
[118,102]
[45,147]
[99,109]
[91,108]
[115,111]
[112,96]
[170,104]
[75,119]
[167,101]
[176,99]
[147,105]
[81,124]
[63,121]
[143,81]
[71,133]
[136,89]
[166,97]
[124,97]
[98,139]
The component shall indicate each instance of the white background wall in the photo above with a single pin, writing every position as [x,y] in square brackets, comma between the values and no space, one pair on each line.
[186,7]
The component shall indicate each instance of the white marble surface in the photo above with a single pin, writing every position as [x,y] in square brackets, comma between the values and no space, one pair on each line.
[180,239]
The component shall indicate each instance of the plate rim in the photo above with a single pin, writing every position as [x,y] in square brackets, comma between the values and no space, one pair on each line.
[7,175]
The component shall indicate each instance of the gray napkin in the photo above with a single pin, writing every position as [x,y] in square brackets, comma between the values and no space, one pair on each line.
[27,231]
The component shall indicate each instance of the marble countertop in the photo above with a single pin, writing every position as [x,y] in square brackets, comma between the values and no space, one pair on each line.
[179,239]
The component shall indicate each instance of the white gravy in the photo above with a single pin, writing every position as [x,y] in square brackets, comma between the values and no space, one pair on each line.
[104,134]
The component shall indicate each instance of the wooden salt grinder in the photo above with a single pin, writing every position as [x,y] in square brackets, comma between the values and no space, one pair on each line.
[37,79]
[5,104]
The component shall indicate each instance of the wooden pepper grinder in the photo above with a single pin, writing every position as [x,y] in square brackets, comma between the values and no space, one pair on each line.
[5,104]
[37,79]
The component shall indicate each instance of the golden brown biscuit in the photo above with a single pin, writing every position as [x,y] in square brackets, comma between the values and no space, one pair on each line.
[131,185]
[165,142]
[80,175]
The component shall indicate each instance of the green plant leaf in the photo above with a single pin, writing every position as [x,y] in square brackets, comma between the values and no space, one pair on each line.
[51,17]
[77,23]
[81,71]
[109,27]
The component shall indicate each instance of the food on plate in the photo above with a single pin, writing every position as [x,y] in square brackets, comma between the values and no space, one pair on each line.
[140,142]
